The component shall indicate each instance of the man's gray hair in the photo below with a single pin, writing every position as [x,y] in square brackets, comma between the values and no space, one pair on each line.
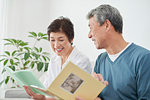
[103,12]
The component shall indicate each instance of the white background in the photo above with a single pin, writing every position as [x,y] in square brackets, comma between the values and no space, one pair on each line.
[18,17]
[24,16]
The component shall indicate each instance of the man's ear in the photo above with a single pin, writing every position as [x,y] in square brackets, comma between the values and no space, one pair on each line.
[107,25]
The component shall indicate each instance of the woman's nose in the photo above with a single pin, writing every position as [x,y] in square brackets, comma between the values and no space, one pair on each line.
[57,44]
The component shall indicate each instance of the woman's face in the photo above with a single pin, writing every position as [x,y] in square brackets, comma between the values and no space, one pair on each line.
[60,43]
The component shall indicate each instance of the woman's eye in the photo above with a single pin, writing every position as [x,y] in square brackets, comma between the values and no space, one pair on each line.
[61,40]
[52,40]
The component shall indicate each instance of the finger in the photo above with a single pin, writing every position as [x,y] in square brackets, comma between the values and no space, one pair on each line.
[39,97]
[106,83]
[29,91]
[100,77]
[95,75]
[50,99]
[97,98]
[79,98]
[26,89]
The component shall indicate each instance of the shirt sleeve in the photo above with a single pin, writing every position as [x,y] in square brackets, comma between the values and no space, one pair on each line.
[48,77]
[85,65]
[143,78]
[45,83]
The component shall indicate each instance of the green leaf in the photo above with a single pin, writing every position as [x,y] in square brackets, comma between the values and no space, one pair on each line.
[32,64]
[25,68]
[27,62]
[2,59]
[14,53]
[7,52]
[5,62]
[20,49]
[27,48]
[2,82]
[26,56]
[48,58]
[38,39]
[45,35]
[40,49]
[35,48]
[40,34]
[11,61]
[7,79]
[12,80]
[40,66]
[30,36]
[23,43]
[35,55]
[44,58]
[20,54]
[45,38]
[16,63]
[13,68]
[3,55]
[46,67]
[3,71]
[8,44]
[33,34]
[16,58]
[45,53]
[14,41]
[9,40]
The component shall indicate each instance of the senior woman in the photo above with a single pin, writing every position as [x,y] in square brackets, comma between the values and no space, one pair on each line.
[61,35]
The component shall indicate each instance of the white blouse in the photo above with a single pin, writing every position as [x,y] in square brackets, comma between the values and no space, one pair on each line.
[55,65]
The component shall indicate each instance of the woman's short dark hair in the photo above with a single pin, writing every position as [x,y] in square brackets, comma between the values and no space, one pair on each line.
[64,25]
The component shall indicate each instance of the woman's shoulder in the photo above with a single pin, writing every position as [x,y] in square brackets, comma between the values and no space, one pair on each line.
[79,55]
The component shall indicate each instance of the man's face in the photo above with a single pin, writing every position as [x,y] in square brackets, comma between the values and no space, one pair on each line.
[97,33]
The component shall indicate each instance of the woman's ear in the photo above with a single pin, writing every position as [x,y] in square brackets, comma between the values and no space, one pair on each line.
[72,42]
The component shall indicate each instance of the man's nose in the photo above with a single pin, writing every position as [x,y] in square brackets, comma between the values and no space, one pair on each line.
[89,35]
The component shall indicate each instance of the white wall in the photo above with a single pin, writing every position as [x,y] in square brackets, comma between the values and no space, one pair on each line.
[3,14]
[35,15]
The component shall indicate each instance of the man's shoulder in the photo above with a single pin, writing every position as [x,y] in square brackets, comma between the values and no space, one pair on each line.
[102,55]
[140,50]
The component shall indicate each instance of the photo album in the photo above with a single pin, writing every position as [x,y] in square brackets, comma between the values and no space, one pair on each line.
[71,82]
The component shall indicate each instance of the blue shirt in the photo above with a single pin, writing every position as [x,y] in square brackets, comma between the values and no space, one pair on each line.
[128,76]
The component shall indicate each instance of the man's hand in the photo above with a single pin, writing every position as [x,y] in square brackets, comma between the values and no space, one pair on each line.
[79,98]
[100,78]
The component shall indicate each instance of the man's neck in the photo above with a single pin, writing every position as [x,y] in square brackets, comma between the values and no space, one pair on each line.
[116,46]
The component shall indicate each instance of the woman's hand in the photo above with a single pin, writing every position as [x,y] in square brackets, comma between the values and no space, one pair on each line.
[34,95]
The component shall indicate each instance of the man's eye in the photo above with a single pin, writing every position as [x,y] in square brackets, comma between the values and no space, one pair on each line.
[61,40]
[52,40]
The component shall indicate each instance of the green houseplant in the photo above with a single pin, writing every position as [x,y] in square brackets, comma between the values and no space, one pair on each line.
[23,56]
